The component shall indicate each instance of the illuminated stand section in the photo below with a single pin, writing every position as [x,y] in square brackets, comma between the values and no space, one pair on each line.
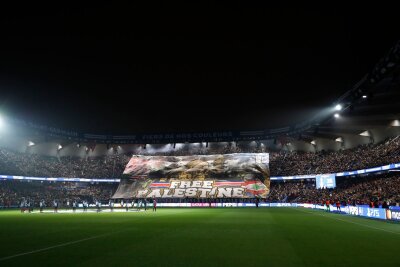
[272,178]
[339,174]
[227,184]
[250,190]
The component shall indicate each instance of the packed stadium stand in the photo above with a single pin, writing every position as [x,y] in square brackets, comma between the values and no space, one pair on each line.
[12,193]
[349,191]
[282,163]
[360,190]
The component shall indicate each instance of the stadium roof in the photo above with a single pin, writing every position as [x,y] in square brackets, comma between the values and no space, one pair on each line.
[372,103]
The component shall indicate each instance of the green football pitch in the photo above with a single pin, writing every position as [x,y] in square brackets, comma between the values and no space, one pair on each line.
[198,237]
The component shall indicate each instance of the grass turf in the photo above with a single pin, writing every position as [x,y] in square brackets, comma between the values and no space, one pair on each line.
[198,237]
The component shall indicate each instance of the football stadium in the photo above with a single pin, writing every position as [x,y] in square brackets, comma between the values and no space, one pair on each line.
[140,177]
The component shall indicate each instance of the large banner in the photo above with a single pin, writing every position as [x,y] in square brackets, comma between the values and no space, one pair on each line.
[241,175]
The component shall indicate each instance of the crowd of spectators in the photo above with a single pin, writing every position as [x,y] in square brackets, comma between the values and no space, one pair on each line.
[353,190]
[356,190]
[26,164]
[281,163]
[12,193]
[365,156]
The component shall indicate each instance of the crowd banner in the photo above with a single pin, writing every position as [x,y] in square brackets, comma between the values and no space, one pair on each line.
[238,175]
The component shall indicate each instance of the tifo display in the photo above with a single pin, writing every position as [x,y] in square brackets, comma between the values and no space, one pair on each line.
[242,175]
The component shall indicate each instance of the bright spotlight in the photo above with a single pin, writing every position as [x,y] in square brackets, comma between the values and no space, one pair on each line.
[30,143]
[338,107]
[364,96]
[59,147]
[336,115]
[339,140]
[395,123]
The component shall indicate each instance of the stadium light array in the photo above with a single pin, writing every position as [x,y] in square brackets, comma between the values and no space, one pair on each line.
[395,123]
[336,115]
[365,133]
[338,107]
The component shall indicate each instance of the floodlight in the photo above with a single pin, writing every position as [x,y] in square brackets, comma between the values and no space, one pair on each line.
[365,133]
[395,123]
[339,140]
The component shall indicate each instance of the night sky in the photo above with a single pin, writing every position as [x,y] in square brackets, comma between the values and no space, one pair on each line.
[122,69]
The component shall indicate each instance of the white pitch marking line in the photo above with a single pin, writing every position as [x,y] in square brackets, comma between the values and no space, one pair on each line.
[67,243]
[56,246]
[334,218]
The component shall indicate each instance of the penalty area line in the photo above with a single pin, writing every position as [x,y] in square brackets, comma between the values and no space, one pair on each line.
[55,246]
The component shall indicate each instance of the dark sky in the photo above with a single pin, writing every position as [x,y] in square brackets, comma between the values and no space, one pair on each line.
[124,69]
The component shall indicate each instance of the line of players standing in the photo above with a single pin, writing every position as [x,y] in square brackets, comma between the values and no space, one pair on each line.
[139,203]
[28,205]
